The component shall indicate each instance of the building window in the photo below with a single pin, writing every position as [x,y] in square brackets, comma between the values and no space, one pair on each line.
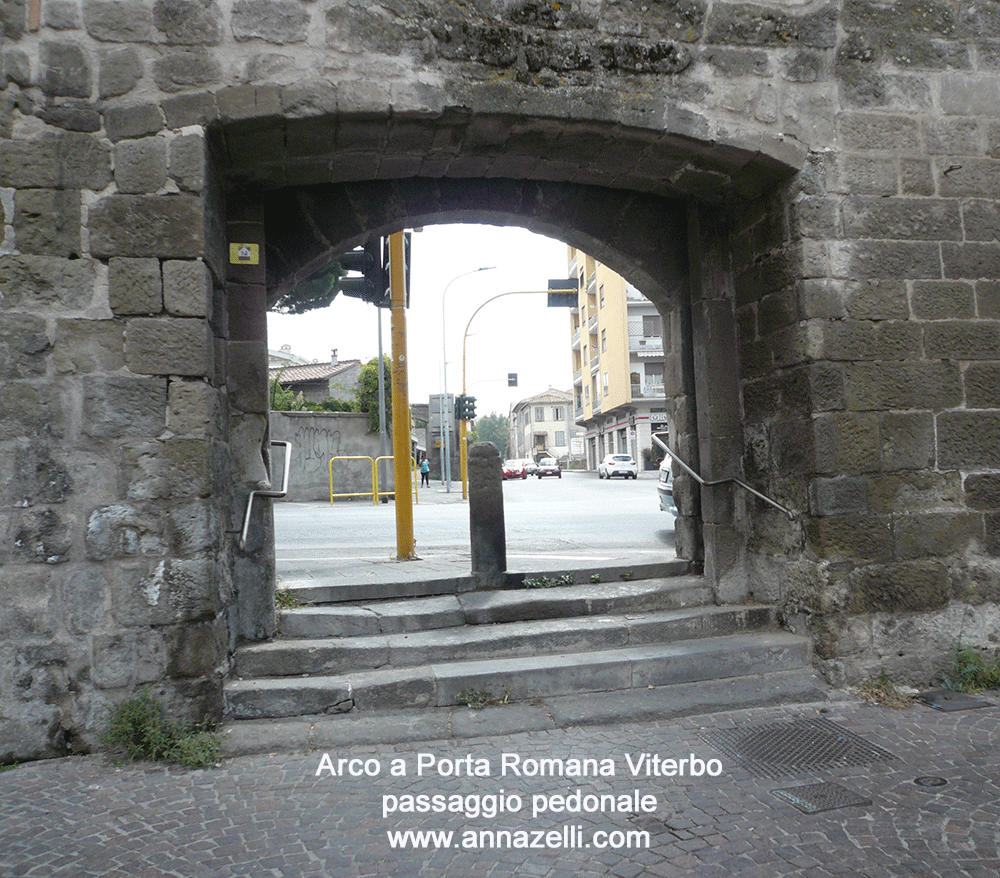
[654,373]
[560,437]
[602,295]
[651,326]
[586,393]
[539,413]
[585,354]
[605,383]
[558,414]
[604,340]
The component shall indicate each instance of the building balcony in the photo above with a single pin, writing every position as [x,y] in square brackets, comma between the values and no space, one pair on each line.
[578,376]
[576,340]
[647,391]
[645,346]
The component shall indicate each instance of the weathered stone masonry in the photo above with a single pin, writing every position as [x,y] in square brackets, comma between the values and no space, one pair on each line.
[808,193]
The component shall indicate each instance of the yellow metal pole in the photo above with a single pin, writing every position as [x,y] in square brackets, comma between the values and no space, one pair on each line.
[402,455]
[463,450]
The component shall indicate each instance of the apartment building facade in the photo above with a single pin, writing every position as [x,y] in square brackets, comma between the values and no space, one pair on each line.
[542,426]
[617,349]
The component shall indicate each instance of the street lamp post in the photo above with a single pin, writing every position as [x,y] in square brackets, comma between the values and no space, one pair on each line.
[446,420]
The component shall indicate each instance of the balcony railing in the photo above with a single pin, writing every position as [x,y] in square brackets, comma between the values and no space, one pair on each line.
[647,391]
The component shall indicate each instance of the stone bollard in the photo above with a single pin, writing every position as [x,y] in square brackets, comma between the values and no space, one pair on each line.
[486,524]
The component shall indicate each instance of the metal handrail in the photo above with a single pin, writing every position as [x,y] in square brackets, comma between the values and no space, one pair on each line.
[708,484]
[413,466]
[273,494]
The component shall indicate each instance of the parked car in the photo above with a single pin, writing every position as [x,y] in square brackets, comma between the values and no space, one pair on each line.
[531,467]
[513,469]
[617,465]
[665,487]
[548,466]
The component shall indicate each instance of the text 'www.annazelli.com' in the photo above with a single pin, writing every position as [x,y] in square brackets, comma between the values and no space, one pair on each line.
[528,839]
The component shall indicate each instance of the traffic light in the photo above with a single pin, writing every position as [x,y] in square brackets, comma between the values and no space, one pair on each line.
[465,408]
[373,285]
[512,379]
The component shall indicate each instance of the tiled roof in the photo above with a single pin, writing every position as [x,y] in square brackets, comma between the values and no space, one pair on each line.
[310,372]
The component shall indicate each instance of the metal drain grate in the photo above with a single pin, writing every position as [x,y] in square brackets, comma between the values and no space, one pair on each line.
[818,797]
[793,747]
[946,699]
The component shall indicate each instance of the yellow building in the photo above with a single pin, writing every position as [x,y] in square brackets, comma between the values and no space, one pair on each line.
[617,349]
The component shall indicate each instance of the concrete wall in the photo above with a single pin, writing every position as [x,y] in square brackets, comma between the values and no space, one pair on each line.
[317,437]
[808,192]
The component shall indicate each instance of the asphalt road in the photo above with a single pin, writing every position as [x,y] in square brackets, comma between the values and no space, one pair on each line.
[578,520]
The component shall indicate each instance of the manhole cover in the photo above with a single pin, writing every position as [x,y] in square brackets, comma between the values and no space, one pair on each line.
[793,747]
[946,699]
[818,797]
[930,781]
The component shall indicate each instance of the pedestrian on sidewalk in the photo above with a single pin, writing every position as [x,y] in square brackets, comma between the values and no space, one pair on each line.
[425,472]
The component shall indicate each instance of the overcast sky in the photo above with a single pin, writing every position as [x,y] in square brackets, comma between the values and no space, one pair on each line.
[513,334]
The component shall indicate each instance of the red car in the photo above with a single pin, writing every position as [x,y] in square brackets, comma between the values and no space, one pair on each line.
[513,469]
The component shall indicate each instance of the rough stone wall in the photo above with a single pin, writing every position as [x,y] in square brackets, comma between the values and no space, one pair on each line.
[840,163]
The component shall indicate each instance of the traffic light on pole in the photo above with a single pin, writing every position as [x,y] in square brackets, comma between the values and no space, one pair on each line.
[465,408]
[373,284]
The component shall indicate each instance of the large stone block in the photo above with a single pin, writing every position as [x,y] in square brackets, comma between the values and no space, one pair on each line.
[907,440]
[894,385]
[141,165]
[24,345]
[169,346]
[118,21]
[982,385]
[27,608]
[196,650]
[47,222]
[963,340]
[846,442]
[937,535]
[195,409]
[195,528]
[124,531]
[988,299]
[88,345]
[32,409]
[187,162]
[943,300]
[45,283]
[164,592]
[118,405]
[248,376]
[851,537]
[30,164]
[84,599]
[187,23]
[123,122]
[967,440]
[877,131]
[84,161]
[134,285]
[909,585]
[65,70]
[187,288]
[169,226]
[43,536]
[887,259]
[914,492]
[840,495]
[121,71]
[275,21]
[180,71]
[934,219]
[171,469]
[127,658]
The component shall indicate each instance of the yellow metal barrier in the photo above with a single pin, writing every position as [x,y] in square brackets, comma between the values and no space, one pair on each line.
[413,466]
[373,493]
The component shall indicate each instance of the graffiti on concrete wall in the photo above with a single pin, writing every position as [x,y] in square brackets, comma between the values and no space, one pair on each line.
[314,443]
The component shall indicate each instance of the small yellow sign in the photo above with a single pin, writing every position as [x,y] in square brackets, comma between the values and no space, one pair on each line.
[244,254]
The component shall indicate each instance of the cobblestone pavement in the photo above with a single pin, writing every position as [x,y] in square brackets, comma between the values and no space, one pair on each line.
[275,816]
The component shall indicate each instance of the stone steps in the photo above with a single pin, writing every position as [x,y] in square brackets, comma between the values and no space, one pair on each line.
[370,617]
[595,649]
[282,658]
[520,678]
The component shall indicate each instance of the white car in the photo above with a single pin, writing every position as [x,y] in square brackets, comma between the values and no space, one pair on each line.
[665,487]
[617,465]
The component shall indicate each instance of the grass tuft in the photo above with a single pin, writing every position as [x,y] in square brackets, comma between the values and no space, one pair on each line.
[140,729]
[973,670]
[479,698]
